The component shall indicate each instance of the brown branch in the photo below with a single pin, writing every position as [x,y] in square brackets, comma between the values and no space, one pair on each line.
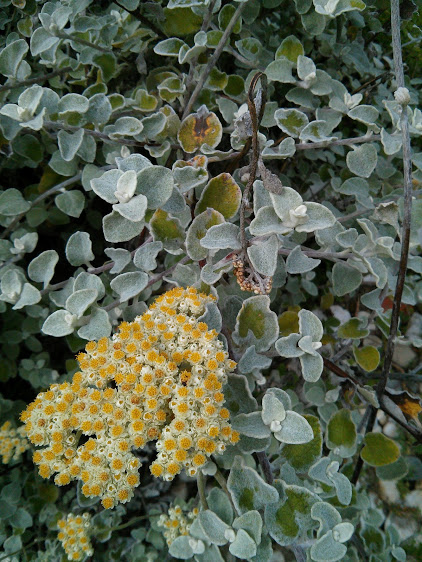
[254,159]
[266,466]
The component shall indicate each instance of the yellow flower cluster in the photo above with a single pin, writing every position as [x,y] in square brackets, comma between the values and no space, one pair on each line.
[74,535]
[13,442]
[160,377]
[176,523]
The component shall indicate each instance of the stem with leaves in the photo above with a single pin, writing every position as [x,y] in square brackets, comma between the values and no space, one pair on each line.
[213,60]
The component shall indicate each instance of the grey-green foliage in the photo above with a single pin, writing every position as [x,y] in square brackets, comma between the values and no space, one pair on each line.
[115,188]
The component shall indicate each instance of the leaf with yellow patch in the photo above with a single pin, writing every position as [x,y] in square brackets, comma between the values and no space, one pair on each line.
[367,357]
[222,194]
[379,450]
[288,323]
[408,404]
[202,127]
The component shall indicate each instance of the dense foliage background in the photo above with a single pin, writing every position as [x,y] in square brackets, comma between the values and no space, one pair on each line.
[257,151]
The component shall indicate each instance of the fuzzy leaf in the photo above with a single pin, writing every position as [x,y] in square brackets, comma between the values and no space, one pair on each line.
[79,249]
[41,268]
[362,160]
[128,285]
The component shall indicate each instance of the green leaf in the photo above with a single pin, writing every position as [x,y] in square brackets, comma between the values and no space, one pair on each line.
[298,262]
[367,357]
[379,450]
[263,256]
[342,434]
[243,546]
[69,143]
[12,56]
[256,324]
[291,121]
[80,300]
[59,324]
[167,230]
[352,329]
[222,194]
[247,489]
[128,285]
[156,183]
[290,516]
[99,326]
[290,48]
[119,229]
[302,457]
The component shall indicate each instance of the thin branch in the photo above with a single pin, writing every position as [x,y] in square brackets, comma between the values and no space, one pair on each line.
[223,484]
[266,466]
[213,60]
[338,142]
[407,188]
[36,80]
[254,160]
[96,134]
[200,480]
[194,61]
[58,187]
[63,35]
[332,256]
[143,19]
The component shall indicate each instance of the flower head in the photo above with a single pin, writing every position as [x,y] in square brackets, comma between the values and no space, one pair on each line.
[74,534]
[138,386]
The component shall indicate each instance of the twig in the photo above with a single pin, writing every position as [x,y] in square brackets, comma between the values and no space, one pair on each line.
[332,256]
[128,523]
[96,134]
[338,142]
[255,120]
[92,270]
[266,466]
[36,80]
[143,19]
[62,35]
[200,480]
[407,188]
[194,61]
[223,484]
[40,198]
[213,60]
